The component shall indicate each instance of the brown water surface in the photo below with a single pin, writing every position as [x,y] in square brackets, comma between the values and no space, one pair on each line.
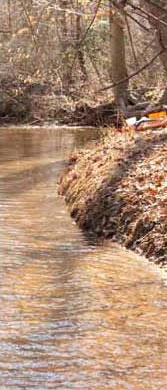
[72,315]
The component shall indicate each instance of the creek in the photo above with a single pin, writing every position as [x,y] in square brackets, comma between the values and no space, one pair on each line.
[73,315]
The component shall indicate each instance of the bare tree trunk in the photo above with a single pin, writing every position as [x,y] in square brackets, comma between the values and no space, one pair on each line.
[64,45]
[118,58]
[80,49]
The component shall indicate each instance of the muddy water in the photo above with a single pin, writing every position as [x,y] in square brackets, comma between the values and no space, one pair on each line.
[72,316]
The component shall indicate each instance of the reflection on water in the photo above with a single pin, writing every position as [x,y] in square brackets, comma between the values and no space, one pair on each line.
[72,316]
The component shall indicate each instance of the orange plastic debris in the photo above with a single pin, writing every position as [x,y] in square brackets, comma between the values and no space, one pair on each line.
[158,115]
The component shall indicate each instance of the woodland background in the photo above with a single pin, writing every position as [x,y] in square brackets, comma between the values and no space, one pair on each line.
[57,56]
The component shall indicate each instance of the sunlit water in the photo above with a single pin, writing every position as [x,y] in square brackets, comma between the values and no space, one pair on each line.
[72,316]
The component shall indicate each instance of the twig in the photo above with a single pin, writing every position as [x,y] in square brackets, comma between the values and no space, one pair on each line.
[132,17]
[137,22]
[156,4]
[148,14]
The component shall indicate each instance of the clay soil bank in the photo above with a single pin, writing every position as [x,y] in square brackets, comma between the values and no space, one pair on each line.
[117,190]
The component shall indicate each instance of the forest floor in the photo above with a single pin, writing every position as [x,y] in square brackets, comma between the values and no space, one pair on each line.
[118,190]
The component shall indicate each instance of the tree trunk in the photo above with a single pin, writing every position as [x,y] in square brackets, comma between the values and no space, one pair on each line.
[64,45]
[118,57]
[80,52]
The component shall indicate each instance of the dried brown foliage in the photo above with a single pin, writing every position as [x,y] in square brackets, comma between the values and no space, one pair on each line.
[66,46]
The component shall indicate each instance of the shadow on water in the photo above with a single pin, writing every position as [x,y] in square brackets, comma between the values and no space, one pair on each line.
[73,316]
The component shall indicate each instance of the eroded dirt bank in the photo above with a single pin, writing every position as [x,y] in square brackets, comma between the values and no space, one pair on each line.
[118,190]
